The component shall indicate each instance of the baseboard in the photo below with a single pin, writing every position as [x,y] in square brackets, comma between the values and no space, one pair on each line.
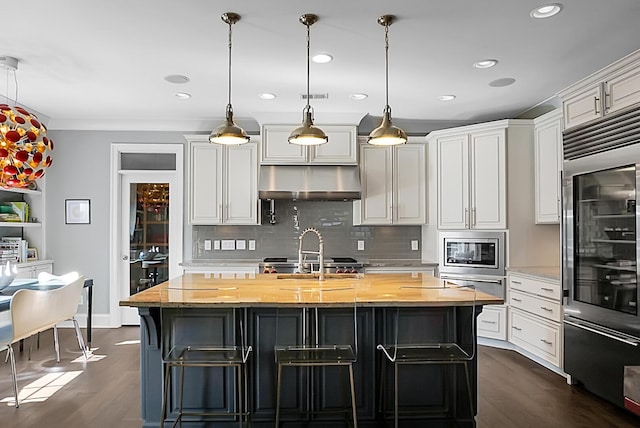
[503,344]
[97,321]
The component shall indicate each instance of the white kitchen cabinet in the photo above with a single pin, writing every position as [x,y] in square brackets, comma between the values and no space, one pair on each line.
[611,89]
[492,322]
[222,270]
[341,149]
[393,181]
[548,163]
[535,316]
[471,178]
[414,270]
[33,269]
[223,185]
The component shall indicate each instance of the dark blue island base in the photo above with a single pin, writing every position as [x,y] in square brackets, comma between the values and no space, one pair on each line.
[429,395]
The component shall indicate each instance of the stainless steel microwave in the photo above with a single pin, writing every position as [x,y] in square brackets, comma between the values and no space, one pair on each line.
[472,252]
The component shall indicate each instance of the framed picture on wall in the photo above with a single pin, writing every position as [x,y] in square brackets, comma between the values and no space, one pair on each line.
[77,211]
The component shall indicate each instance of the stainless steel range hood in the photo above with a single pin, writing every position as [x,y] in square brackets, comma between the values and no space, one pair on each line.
[317,182]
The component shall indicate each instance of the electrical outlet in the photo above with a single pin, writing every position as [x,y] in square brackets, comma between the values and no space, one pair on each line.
[241,244]
[207,244]
[360,245]
[252,245]
[414,245]
[228,244]
[216,244]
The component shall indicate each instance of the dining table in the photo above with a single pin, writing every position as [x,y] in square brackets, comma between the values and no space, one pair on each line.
[33,284]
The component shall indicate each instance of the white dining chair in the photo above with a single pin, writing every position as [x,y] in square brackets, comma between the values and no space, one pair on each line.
[33,311]
[67,278]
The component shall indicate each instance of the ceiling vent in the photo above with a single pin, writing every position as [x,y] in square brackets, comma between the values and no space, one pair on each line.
[314,96]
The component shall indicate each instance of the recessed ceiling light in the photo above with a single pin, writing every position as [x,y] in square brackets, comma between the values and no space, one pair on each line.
[359,96]
[321,58]
[177,78]
[485,63]
[183,95]
[505,81]
[447,97]
[267,96]
[546,11]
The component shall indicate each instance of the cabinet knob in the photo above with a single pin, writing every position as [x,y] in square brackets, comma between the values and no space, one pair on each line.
[125,258]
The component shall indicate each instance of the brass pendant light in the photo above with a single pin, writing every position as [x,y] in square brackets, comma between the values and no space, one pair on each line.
[386,134]
[308,134]
[229,133]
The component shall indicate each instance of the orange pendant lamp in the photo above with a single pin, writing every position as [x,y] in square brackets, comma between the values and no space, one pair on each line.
[25,150]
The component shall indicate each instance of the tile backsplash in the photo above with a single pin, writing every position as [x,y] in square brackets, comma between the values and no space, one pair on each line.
[333,219]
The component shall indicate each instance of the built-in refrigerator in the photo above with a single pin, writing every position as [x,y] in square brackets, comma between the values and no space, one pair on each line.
[600,225]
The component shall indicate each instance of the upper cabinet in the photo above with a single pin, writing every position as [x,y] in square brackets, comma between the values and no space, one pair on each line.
[341,149]
[393,183]
[223,182]
[611,89]
[548,164]
[471,187]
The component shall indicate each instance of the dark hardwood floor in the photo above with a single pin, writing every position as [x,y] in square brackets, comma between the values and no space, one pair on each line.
[513,391]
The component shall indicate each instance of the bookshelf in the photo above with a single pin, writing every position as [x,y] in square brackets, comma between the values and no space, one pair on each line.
[32,230]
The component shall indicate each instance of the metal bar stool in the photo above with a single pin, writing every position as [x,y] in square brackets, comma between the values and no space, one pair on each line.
[453,352]
[314,352]
[232,356]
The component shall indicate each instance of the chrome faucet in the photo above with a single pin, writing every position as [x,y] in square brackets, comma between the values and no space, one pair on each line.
[320,252]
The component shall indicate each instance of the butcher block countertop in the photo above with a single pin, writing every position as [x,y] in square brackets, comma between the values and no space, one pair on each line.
[254,290]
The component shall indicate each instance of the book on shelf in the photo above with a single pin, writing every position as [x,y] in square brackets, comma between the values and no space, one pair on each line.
[13,249]
[14,212]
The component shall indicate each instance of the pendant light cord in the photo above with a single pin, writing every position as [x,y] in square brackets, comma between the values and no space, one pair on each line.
[229,103]
[308,107]
[386,65]
[15,83]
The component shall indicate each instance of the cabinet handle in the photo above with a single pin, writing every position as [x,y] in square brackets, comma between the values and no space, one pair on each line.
[546,309]
[473,217]
[488,322]
[559,208]
[546,289]
[607,105]
[582,325]
[546,342]
[466,217]
[516,282]
[516,328]
[516,300]
[596,101]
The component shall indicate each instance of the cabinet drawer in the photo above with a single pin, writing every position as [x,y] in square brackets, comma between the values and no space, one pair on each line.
[535,335]
[535,305]
[548,289]
[492,322]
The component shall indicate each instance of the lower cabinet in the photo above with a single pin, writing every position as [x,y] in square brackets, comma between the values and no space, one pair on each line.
[432,391]
[492,322]
[321,388]
[32,269]
[429,270]
[221,271]
[535,316]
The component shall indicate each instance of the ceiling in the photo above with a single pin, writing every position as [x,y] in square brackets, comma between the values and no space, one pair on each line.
[101,65]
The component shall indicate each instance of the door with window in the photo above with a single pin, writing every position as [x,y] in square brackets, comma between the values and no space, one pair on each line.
[150,221]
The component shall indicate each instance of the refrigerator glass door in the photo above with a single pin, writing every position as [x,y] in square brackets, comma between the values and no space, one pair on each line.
[605,239]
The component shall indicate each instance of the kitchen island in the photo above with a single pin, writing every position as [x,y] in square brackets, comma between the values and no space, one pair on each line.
[197,306]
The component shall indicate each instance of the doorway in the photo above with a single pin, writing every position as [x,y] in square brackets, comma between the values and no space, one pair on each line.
[147,219]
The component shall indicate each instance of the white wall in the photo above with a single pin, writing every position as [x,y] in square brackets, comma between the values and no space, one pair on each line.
[81,170]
